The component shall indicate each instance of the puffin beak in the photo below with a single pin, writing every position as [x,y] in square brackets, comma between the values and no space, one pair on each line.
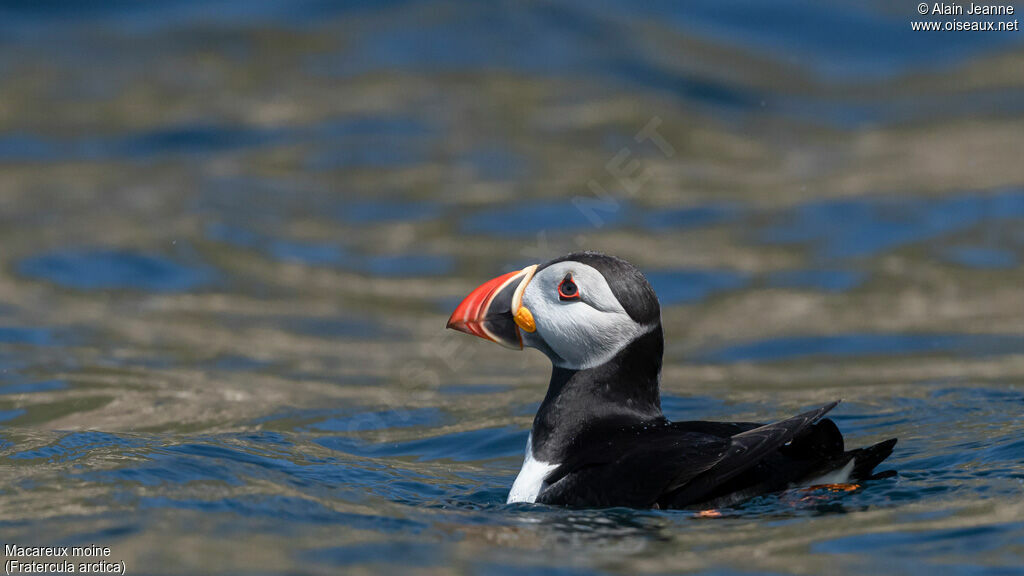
[495,311]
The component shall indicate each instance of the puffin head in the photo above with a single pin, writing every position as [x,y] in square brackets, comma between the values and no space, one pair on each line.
[580,310]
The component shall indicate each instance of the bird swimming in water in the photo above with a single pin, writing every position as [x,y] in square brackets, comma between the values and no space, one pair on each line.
[600,438]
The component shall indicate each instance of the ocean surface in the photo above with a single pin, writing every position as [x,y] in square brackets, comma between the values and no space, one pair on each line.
[231,234]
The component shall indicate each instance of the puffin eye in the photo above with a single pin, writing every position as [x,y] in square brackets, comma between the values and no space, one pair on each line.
[567,289]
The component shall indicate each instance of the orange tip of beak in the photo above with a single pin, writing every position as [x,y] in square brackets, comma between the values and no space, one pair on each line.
[494,310]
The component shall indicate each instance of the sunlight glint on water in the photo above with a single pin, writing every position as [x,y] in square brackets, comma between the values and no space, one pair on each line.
[230,251]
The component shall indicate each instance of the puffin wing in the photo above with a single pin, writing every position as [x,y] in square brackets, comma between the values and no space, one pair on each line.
[642,466]
[630,466]
[721,429]
[746,450]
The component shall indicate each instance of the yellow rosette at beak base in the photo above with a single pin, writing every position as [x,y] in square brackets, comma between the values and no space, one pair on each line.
[524,319]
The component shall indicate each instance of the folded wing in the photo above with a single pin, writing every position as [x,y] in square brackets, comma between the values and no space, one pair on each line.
[641,465]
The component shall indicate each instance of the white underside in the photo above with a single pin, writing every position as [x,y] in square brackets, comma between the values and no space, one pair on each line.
[530,480]
[837,476]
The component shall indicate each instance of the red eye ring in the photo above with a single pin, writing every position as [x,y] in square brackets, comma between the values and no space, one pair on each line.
[567,289]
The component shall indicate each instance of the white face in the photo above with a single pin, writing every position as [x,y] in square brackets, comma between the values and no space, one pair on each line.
[584,331]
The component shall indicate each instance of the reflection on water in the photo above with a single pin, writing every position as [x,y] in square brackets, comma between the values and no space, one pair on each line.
[232,232]
[109,270]
[858,228]
[860,345]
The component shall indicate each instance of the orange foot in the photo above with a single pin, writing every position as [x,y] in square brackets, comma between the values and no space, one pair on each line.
[833,487]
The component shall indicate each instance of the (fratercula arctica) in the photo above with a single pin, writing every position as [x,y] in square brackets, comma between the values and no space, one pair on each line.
[599,438]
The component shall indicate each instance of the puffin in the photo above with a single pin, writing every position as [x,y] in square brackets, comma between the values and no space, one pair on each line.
[600,439]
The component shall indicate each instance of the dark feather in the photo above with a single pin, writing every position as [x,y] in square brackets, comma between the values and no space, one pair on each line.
[745,451]
[868,458]
[670,464]
[630,465]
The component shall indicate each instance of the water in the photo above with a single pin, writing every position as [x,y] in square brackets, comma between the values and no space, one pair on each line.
[232,233]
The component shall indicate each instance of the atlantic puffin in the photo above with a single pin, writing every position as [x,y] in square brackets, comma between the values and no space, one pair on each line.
[600,438]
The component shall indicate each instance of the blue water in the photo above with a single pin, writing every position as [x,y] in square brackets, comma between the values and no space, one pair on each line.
[110,269]
[858,228]
[866,345]
[232,233]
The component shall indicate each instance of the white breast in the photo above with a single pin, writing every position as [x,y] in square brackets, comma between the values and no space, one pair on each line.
[531,477]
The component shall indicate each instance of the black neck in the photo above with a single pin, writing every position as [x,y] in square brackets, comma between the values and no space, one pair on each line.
[624,389]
